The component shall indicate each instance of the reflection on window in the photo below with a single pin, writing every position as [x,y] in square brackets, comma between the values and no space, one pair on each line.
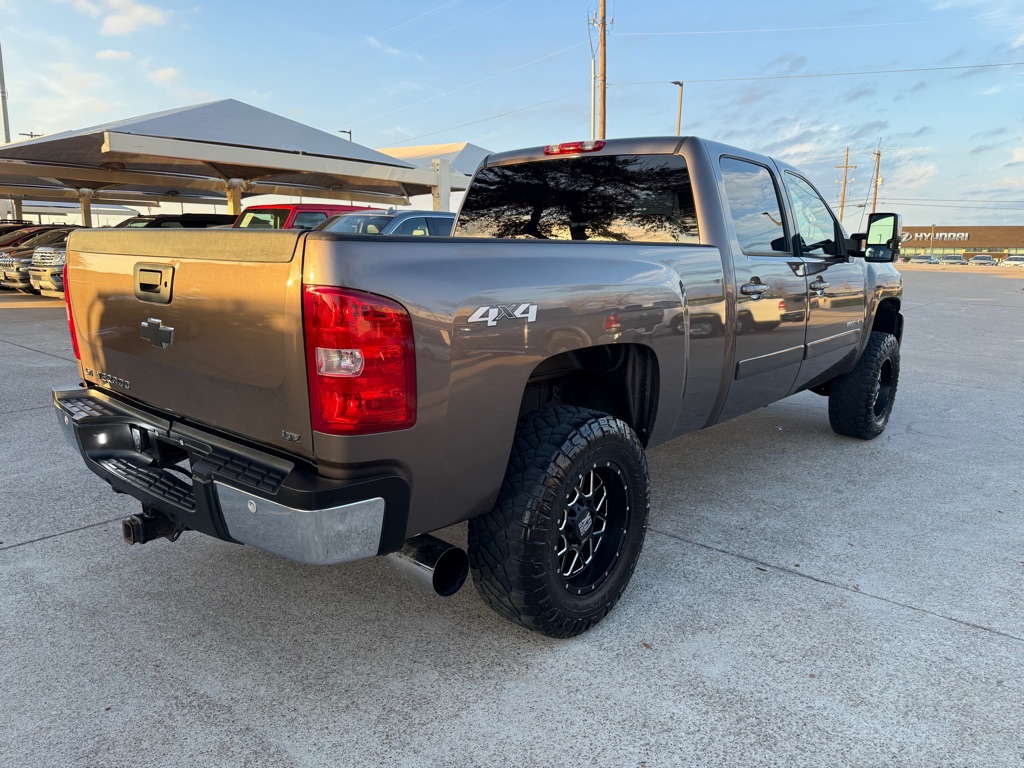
[754,204]
[610,198]
[815,225]
[308,219]
[266,219]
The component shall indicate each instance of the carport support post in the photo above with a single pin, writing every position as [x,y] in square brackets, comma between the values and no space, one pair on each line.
[442,193]
[85,200]
[16,207]
[234,192]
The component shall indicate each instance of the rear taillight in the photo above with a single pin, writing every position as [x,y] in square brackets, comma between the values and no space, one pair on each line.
[573,147]
[782,305]
[612,323]
[360,360]
[71,317]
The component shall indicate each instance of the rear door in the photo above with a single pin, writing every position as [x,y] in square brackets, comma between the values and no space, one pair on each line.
[837,300]
[201,324]
[769,288]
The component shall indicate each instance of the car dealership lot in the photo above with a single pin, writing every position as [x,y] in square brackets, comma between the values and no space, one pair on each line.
[803,599]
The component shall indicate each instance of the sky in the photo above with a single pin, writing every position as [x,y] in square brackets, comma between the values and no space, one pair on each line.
[923,80]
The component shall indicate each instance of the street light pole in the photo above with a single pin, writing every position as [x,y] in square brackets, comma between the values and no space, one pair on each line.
[342,130]
[3,100]
[679,113]
[602,72]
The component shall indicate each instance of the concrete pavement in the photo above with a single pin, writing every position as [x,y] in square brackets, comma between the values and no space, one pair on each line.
[802,599]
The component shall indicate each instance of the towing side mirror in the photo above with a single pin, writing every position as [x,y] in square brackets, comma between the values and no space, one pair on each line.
[885,233]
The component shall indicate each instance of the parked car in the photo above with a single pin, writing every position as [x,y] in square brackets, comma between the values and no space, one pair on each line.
[15,265]
[330,397]
[392,222]
[180,221]
[10,225]
[292,215]
[955,259]
[925,258]
[1012,261]
[12,239]
[46,272]
[982,260]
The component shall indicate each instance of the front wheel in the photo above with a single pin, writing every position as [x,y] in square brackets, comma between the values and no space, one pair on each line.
[558,549]
[859,402]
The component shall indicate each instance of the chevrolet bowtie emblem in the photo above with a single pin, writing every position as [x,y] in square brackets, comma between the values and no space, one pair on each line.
[156,333]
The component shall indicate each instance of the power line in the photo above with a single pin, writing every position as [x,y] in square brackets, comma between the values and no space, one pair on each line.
[469,85]
[494,117]
[960,207]
[783,29]
[827,74]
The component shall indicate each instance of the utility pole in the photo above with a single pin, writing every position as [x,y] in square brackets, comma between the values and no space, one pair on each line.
[602,72]
[878,179]
[679,114]
[3,100]
[842,195]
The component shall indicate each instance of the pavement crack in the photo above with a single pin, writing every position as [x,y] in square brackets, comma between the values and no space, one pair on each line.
[39,351]
[25,410]
[770,566]
[61,533]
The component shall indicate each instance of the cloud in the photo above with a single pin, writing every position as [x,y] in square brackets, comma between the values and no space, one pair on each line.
[1016,159]
[112,55]
[981,149]
[373,42]
[163,76]
[129,15]
[1018,42]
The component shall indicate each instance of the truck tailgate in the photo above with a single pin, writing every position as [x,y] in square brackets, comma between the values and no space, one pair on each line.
[200,324]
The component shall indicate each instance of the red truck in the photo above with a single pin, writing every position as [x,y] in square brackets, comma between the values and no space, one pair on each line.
[291,215]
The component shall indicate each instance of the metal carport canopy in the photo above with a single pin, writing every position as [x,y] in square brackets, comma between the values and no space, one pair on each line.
[224,147]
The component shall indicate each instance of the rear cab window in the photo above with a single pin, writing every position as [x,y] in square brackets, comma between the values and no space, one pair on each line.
[598,198]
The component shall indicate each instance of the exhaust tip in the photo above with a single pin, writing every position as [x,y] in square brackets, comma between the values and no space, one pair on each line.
[433,563]
[450,572]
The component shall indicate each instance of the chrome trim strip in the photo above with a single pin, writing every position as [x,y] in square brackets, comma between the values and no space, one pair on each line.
[315,537]
[821,346]
[754,366]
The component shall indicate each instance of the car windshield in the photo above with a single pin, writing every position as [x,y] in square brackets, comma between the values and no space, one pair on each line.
[45,238]
[14,236]
[358,223]
[267,218]
[1015,258]
[139,222]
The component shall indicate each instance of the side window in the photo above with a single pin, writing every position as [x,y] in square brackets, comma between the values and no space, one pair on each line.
[814,221]
[755,208]
[416,225]
[440,227]
[308,219]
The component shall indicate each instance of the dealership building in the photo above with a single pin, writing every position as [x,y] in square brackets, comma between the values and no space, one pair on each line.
[968,240]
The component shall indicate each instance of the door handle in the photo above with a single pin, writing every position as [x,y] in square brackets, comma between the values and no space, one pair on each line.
[753,289]
[819,286]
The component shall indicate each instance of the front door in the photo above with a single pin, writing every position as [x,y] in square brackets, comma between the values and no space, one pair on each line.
[837,300]
[770,290]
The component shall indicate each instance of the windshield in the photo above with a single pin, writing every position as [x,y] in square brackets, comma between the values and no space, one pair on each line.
[15,236]
[357,223]
[613,198]
[267,218]
[138,222]
[45,238]
[1015,258]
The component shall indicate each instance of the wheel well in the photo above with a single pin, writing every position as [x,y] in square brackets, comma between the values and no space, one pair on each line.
[617,379]
[888,318]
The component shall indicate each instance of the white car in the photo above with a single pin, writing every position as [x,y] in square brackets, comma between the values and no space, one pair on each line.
[1012,261]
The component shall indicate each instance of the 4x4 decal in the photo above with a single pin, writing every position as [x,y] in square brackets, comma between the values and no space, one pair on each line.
[491,315]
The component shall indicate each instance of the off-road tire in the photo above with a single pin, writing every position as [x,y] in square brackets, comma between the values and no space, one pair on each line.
[514,550]
[859,402]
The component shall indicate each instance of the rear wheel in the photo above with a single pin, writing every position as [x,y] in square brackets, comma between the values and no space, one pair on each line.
[859,402]
[559,547]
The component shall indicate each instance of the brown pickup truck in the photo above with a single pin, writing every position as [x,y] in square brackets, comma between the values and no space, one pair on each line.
[329,397]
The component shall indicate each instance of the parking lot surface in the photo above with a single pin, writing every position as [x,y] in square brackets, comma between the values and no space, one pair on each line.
[803,599]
